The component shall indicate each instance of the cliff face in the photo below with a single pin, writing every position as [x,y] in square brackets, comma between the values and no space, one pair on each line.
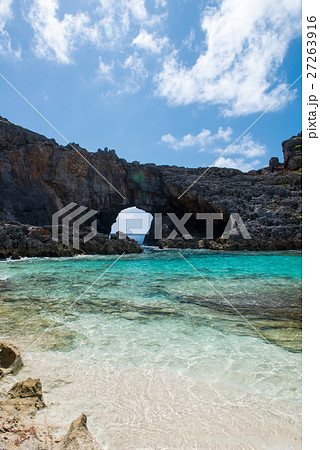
[38,177]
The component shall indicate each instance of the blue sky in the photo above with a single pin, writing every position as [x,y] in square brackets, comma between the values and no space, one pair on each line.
[170,82]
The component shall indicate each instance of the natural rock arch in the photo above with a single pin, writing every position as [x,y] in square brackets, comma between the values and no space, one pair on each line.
[38,177]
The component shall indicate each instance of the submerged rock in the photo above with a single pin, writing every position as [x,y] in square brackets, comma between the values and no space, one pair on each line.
[79,437]
[10,359]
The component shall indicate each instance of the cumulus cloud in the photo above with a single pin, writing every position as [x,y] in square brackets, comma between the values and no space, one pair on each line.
[134,63]
[203,141]
[56,39]
[5,41]
[105,71]
[246,153]
[119,16]
[246,43]
[150,42]
[114,27]
[120,21]
[247,147]
[238,163]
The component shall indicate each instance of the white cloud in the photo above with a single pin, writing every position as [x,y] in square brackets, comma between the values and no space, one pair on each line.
[245,45]
[138,9]
[6,15]
[247,147]
[160,3]
[134,63]
[188,42]
[105,71]
[119,16]
[149,41]
[243,151]
[56,39]
[203,141]
[120,21]
[238,163]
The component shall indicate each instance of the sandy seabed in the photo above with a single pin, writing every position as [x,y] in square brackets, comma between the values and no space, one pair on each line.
[136,408]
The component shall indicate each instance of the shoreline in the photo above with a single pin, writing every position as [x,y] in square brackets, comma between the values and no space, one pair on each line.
[248,419]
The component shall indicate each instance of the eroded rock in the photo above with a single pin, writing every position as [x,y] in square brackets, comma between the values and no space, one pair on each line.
[17,411]
[10,359]
[292,153]
[79,437]
[27,389]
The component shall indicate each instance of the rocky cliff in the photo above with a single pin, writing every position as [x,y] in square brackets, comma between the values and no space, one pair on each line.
[38,177]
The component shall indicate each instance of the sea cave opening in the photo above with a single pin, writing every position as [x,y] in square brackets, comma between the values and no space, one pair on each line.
[134,222]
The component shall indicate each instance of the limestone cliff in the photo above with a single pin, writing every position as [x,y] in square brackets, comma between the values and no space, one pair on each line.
[38,177]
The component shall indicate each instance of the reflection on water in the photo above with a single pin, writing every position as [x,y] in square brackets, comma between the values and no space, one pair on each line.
[153,314]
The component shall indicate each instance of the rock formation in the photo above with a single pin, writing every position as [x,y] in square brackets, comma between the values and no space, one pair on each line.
[292,153]
[17,240]
[18,409]
[79,437]
[38,177]
[10,359]
[18,428]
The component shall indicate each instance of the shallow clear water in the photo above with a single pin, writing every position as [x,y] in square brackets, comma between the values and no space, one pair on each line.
[160,353]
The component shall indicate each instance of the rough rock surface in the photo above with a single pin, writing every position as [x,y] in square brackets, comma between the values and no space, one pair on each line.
[17,411]
[292,153]
[18,428]
[38,177]
[17,240]
[79,437]
[10,359]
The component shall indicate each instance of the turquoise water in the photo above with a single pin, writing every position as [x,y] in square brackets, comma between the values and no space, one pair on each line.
[226,326]
[137,237]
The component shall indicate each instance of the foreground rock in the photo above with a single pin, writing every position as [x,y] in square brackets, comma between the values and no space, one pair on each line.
[18,428]
[17,412]
[18,408]
[10,359]
[38,177]
[17,240]
[79,437]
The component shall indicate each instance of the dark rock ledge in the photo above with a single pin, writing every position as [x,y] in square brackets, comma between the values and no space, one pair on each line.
[18,428]
[17,240]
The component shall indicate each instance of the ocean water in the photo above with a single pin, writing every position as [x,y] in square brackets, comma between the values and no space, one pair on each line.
[137,237]
[165,349]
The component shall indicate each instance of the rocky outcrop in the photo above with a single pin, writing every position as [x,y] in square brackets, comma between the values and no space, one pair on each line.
[38,177]
[10,359]
[78,436]
[292,153]
[17,240]
[18,409]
